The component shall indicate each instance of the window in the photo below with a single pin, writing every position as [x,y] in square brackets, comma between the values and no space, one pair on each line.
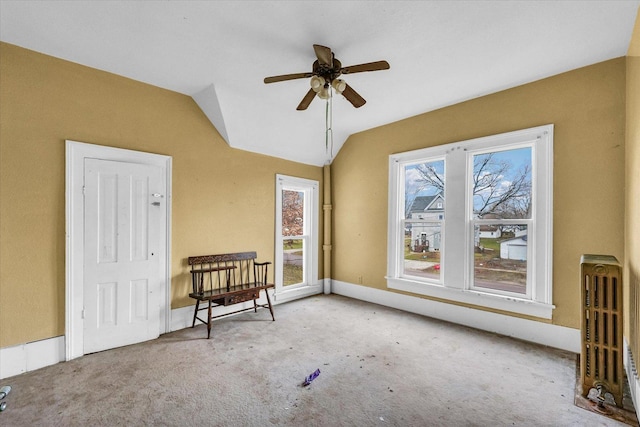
[472,221]
[296,267]
[294,237]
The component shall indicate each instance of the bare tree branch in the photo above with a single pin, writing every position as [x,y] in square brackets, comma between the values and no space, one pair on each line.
[430,176]
[497,188]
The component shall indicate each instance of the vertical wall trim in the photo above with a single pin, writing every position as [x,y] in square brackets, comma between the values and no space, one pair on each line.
[327,211]
[632,377]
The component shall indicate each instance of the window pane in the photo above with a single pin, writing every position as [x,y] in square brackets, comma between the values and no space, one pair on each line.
[502,184]
[500,257]
[422,250]
[292,213]
[424,200]
[424,190]
[292,258]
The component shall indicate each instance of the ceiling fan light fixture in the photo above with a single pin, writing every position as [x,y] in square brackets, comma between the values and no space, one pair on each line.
[339,85]
[317,83]
[324,93]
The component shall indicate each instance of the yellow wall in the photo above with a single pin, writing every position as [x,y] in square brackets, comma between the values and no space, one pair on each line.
[223,199]
[631,275]
[219,207]
[587,107]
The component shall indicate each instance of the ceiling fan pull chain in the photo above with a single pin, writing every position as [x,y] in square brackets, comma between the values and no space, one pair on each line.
[331,120]
[329,125]
[326,127]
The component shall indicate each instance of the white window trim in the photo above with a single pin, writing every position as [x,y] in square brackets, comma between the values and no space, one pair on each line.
[455,285]
[310,285]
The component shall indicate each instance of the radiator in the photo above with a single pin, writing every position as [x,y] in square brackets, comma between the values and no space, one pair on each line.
[602,349]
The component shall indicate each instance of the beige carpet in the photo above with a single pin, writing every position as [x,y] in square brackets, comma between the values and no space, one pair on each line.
[378,366]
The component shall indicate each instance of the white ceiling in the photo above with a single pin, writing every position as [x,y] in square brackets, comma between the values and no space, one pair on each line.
[441,53]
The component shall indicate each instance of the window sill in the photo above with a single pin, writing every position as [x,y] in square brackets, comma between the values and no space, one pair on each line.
[293,292]
[496,302]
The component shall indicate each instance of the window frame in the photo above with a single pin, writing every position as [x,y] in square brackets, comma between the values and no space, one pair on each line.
[458,234]
[310,284]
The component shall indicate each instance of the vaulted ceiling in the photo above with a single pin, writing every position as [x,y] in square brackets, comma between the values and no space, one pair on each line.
[218,52]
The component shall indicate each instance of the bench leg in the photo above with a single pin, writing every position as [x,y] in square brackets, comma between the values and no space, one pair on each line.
[255,305]
[209,321]
[266,291]
[195,313]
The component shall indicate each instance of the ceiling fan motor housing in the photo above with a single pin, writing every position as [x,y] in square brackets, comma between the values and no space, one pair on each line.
[328,72]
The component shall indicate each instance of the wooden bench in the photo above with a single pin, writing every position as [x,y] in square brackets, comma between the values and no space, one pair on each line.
[227,279]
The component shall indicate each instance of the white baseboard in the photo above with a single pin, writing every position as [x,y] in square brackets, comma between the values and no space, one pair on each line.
[528,330]
[632,377]
[27,357]
[31,356]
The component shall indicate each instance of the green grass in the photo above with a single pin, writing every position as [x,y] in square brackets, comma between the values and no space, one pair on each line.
[490,243]
[291,274]
[489,266]
[292,244]
[419,256]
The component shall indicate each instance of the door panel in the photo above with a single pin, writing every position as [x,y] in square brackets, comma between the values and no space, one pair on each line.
[123,219]
[107,304]
[139,300]
[107,218]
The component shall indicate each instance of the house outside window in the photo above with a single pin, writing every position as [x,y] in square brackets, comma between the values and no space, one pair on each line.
[472,221]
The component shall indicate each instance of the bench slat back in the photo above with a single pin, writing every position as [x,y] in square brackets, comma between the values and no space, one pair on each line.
[210,272]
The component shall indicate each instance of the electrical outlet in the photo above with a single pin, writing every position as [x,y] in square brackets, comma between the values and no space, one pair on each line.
[360,280]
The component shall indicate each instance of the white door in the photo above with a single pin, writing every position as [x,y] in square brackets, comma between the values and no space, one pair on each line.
[124,208]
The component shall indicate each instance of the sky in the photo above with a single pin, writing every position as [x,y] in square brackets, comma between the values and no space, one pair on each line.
[516,157]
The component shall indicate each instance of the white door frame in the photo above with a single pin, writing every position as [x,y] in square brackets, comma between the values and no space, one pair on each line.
[76,152]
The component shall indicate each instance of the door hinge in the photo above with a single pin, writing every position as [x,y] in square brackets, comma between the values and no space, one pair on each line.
[83,313]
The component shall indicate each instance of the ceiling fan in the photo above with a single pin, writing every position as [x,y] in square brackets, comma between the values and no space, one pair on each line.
[324,76]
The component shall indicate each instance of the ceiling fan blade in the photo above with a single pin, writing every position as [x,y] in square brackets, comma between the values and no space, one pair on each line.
[306,100]
[285,77]
[324,54]
[369,66]
[353,97]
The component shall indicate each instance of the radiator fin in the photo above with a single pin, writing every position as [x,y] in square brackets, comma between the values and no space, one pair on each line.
[601,358]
